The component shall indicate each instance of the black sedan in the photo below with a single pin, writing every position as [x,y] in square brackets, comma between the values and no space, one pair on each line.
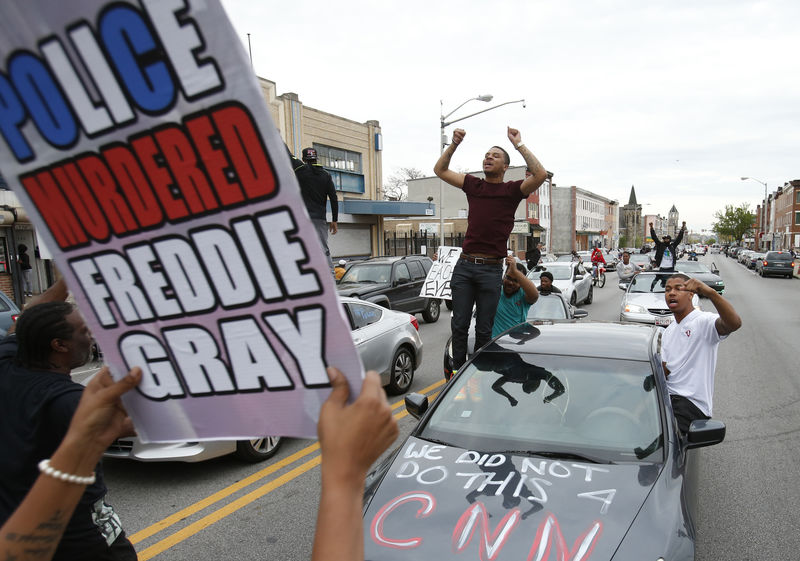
[703,273]
[553,442]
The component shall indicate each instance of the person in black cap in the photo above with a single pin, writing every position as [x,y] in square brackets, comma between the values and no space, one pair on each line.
[666,249]
[316,187]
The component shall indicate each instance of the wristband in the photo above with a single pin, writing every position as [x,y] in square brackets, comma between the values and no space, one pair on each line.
[47,469]
[520,145]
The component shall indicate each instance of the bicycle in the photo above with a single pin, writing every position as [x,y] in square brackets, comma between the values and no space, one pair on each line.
[598,275]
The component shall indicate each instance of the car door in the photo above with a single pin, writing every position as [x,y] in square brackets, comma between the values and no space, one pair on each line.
[418,274]
[583,281]
[403,294]
[370,335]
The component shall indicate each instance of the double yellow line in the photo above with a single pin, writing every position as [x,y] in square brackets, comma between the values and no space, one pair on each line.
[229,508]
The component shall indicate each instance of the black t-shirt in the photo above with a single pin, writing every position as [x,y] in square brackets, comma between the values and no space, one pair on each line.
[37,407]
[317,188]
[24,261]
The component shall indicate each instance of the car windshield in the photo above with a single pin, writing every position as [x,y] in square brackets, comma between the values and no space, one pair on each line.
[692,267]
[525,403]
[648,283]
[559,273]
[778,256]
[548,307]
[377,273]
[568,257]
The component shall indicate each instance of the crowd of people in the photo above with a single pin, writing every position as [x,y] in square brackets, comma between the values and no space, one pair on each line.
[54,431]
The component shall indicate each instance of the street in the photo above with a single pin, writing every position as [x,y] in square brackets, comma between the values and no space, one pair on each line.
[225,509]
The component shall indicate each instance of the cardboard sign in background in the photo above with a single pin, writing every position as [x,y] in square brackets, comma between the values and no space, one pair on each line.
[138,140]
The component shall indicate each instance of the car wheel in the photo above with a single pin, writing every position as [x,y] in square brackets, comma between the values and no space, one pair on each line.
[401,373]
[573,300]
[589,296]
[258,449]
[431,312]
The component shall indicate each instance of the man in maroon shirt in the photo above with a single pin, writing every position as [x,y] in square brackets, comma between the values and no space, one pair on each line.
[477,277]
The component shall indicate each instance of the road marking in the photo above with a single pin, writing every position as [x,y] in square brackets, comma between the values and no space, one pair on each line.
[180,535]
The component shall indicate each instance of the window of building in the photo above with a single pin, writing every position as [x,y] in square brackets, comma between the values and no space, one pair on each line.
[797,197]
[797,218]
[344,167]
[337,158]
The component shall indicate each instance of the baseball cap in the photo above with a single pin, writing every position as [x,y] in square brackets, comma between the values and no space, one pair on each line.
[309,154]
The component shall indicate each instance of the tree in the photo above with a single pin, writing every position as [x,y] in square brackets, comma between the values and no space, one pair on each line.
[734,222]
[396,187]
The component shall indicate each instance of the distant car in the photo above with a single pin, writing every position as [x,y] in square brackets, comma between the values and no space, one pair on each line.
[549,307]
[644,301]
[553,442]
[715,248]
[572,278]
[387,341]
[643,260]
[702,272]
[744,256]
[392,282]
[753,259]
[9,312]
[777,263]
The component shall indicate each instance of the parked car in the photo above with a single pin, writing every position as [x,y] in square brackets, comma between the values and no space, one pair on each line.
[549,307]
[387,341]
[571,278]
[554,442]
[779,263]
[753,259]
[643,301]
[9,312]
[744,255]
[392,282]
[703,273]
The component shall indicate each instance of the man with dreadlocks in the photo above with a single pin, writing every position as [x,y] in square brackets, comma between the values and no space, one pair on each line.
[38,399]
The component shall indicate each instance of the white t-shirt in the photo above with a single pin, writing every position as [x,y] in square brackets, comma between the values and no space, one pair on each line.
[689,349]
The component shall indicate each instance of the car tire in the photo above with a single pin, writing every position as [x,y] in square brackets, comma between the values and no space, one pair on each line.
[573,300]
[589,296]
[258,449]
[432,309]
[401,372]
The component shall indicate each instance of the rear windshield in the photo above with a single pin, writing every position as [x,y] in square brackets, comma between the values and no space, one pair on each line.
[779,256]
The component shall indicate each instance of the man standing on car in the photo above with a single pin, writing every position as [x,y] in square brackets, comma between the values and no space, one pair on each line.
[516,298]
[626,270]
[666,249]
[492,202]
[689,347]
[316,187]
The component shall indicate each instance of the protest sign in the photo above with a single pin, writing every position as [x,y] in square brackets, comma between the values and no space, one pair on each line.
[138,140]
[437,281]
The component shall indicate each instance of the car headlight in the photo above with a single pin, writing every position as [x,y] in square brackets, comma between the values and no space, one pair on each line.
[719,283]
[635,309]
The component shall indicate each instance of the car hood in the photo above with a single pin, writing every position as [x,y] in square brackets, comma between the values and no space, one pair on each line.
[705,277]
[563,285]
[359,288]
[646,299]
[436,501]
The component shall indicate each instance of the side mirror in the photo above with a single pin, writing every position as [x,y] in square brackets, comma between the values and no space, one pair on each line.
[705,433]
[417,404]
[580,314]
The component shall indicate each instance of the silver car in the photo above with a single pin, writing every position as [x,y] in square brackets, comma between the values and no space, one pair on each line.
[644,301]
[572,278]
[387,341]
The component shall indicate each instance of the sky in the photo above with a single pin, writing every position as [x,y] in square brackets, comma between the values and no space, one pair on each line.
[680,98]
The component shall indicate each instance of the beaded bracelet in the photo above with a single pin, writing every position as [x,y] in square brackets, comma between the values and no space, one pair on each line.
[47,469]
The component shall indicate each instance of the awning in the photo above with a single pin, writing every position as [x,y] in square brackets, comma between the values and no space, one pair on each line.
[386,208]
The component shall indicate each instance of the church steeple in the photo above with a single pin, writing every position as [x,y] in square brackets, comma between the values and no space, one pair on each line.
[632,199]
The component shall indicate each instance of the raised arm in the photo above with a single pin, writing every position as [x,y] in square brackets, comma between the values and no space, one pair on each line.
[35,528]
[442,167]
[538,173]
[680,234]
[653,235]
[351,437]
[728,320]
[526,284]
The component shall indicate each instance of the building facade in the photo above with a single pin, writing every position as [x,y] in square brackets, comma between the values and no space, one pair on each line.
[582,220]
[631,223]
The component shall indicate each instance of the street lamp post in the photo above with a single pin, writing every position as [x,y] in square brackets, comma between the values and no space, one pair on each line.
[443,123]
[763,206]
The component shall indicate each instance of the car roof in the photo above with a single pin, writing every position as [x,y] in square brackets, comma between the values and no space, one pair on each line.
[390,259]
[625,341]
